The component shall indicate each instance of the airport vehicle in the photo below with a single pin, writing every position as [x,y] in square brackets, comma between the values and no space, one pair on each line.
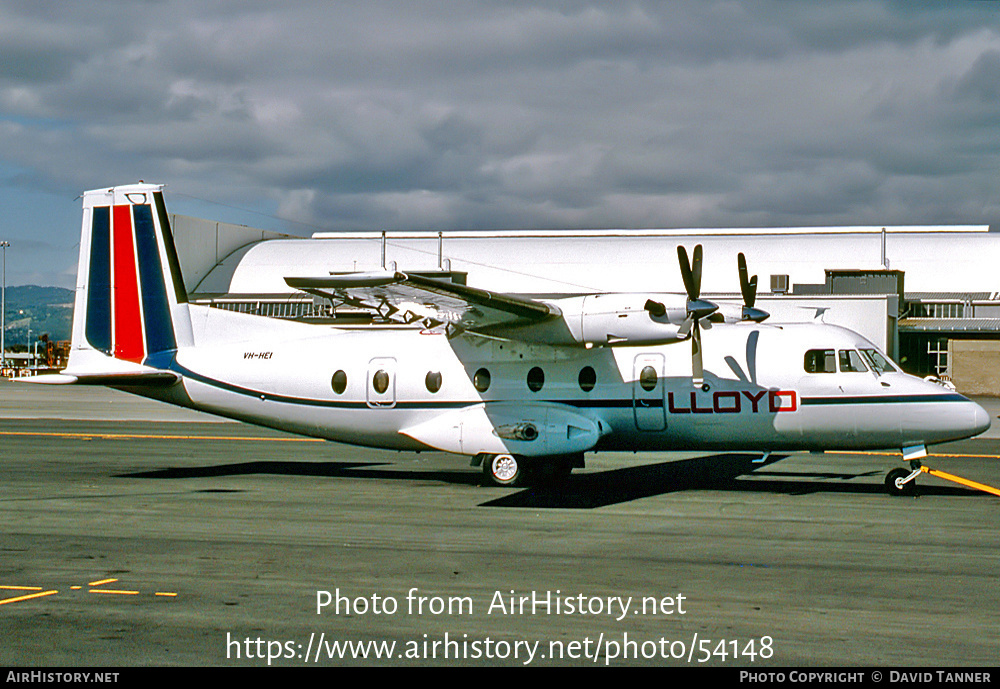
[524,386]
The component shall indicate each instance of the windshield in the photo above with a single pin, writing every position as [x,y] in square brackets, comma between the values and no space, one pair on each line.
[879,363]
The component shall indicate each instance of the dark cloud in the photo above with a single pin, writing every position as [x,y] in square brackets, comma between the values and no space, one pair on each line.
[438,115]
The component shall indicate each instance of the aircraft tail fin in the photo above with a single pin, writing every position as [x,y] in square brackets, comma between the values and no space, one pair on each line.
[131,309]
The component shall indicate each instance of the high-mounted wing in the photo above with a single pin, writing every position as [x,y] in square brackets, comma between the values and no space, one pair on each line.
[411,298]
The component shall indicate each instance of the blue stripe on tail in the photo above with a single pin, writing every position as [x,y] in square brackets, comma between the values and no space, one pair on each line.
[98,329]
[155,307]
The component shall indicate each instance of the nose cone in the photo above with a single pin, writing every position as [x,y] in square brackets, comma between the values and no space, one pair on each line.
[980,420]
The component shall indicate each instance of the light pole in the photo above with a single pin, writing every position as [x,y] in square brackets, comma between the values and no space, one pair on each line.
[3,307]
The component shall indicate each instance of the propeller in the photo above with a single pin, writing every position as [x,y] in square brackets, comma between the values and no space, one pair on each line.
[748,286]
[696,309]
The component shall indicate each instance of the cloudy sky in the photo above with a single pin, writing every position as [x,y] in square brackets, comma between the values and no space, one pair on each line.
[313,115]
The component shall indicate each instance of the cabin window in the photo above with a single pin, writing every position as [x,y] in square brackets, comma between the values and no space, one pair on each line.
[536,379]
[481,380]
[588,378]
[820,361]
[380,381]
[851,362]
[647,378]
[433,381]
[339,382]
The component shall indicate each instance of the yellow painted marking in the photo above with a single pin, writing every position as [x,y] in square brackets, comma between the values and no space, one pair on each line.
[39,592]
[896,454]
[150,436]
[964,481]
[27,597]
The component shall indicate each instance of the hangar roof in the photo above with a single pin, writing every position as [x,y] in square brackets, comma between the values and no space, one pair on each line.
[934,258]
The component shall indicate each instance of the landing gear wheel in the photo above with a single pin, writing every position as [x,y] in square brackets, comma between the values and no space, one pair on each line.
[502,470]
[908,488]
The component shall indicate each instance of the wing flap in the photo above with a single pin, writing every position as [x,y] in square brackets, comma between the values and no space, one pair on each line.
[408,298]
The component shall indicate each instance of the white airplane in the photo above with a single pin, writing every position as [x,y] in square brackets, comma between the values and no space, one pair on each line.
[523,386]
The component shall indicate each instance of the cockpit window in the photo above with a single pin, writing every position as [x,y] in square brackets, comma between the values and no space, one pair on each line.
[851,362]
[878,362]
[820,361]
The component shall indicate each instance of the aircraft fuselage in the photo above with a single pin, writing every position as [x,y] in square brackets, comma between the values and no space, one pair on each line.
[407,389]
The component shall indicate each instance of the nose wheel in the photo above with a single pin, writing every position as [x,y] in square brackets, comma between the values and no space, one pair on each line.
[901,482]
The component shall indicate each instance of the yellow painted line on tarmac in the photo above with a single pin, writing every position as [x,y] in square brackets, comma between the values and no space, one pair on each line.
[21,588]
[962,481]
[150,436]
[897,454]
[27,597]
[38,592]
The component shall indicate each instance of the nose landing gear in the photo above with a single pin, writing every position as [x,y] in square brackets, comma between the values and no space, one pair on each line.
[903,482]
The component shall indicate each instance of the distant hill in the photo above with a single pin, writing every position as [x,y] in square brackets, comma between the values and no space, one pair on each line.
[42,309]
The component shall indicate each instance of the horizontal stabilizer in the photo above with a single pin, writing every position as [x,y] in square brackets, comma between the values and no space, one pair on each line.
[156,379]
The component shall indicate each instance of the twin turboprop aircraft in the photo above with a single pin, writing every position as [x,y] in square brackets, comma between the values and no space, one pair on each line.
[523,386]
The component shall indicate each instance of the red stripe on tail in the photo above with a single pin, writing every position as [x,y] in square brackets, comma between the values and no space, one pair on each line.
[127,317]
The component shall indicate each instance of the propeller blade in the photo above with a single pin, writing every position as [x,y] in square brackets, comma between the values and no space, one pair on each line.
[748,286]
[691,286]
[697,368]
[685,328]
[696,271]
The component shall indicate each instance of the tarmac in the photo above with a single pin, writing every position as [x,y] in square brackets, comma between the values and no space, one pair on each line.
[136,534]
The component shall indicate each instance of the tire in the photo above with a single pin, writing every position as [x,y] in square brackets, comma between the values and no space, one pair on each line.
[906,489]
[502,470]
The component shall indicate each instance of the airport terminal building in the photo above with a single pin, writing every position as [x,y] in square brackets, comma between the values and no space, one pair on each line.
[928,295]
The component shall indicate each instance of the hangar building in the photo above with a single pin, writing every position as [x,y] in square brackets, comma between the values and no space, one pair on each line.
[929,295]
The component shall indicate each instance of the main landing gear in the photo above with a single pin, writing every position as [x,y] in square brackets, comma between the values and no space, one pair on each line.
[515,470]
[502,470]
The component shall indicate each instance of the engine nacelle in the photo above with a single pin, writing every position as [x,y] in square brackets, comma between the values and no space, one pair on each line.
[624,319]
